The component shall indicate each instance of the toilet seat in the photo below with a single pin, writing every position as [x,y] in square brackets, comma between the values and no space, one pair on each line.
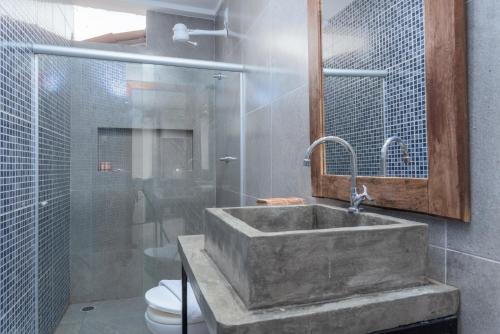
[163,314]
[163,318]
[157,328]
[166,298]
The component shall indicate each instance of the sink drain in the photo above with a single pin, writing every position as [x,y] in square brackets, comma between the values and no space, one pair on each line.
[88,308]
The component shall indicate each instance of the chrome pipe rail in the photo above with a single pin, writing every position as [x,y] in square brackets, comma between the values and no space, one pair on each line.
[134,58]
[334,72]
[76,52]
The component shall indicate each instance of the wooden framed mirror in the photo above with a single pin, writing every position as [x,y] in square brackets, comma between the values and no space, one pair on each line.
[379,69]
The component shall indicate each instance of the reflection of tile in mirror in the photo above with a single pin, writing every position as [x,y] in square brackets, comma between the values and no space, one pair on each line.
[375,35]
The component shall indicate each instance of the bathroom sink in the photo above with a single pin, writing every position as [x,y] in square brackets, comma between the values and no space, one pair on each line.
[276,256]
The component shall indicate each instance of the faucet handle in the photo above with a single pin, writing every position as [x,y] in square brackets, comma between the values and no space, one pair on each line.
[365,194]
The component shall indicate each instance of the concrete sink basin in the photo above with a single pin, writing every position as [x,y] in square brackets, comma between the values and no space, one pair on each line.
[276,256]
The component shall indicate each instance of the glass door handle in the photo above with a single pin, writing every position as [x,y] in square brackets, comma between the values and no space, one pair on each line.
[228,159]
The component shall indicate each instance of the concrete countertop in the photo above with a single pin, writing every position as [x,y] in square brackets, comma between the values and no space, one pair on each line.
[226,313]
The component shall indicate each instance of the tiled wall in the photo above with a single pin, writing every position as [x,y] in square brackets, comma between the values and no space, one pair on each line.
[468,255]
[386,35]
[42,22]
[54,189]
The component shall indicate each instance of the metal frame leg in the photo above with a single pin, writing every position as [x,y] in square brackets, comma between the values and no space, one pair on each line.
[184,302]
[447,325]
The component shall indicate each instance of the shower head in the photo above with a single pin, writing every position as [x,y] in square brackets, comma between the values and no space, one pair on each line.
[181,33]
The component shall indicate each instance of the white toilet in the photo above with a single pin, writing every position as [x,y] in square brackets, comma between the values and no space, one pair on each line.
[163,315]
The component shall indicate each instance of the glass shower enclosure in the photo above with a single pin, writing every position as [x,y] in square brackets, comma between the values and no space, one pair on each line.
[142,164]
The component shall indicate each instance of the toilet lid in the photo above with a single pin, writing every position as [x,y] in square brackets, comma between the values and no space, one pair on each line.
[162,299]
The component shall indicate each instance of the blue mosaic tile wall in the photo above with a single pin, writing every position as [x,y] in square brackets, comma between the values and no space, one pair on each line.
[368,34]
[21,296]
[54,144]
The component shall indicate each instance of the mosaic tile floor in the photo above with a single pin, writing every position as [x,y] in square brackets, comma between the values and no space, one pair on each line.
[123,316]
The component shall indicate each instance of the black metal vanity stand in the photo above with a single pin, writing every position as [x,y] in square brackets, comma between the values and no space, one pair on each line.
[446,325]
[184,302]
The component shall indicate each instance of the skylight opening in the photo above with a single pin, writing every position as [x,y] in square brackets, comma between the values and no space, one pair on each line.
[91,22]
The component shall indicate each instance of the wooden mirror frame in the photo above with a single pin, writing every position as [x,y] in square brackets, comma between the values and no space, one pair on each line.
[446,191]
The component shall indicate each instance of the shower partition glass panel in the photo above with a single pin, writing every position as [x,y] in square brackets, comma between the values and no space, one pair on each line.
[143,169]
[228,124]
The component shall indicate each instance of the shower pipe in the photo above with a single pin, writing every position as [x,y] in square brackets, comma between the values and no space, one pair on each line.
[333,72]
[133,58]
[75,52]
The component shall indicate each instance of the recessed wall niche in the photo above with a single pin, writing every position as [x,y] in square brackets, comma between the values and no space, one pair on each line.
[144,153]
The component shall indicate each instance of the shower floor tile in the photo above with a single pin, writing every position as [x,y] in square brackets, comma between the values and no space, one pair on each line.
[122,316]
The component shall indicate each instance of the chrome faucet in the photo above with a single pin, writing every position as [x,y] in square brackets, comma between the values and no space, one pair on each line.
[356,199]
[385,148]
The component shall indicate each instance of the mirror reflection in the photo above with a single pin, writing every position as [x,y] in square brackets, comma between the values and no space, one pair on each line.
[374,86]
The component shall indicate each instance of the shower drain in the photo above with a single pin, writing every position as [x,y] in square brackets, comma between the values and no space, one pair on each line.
[88,308]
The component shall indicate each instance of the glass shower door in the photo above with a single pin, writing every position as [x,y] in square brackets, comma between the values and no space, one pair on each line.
[229,143]
[143,170]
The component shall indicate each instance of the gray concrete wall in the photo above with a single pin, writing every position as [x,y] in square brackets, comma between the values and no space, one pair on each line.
[466,256]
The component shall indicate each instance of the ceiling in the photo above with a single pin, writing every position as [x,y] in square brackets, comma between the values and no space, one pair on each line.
[194,8]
